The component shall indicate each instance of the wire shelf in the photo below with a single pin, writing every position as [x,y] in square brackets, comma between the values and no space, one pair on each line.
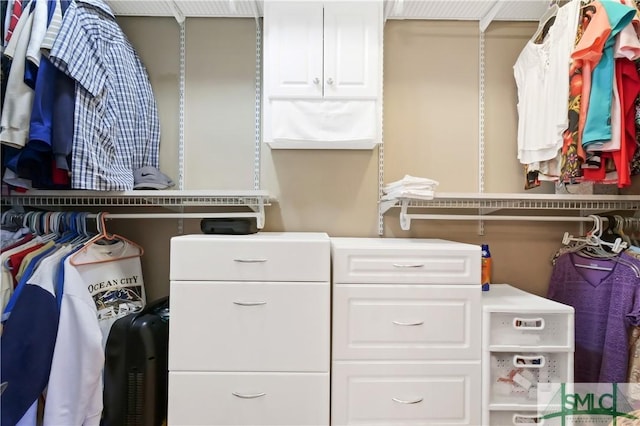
[527,202]
[139,198]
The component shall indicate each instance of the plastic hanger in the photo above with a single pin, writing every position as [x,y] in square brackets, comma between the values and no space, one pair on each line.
[546,21]
[104,236]
[593,240]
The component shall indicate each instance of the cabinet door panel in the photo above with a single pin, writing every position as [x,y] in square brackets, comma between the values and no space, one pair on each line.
[406,322]
[249,326]
[405,394]
[352,35]
[293,49]
[201,398]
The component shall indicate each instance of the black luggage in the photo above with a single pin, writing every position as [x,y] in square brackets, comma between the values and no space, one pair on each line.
[136,368]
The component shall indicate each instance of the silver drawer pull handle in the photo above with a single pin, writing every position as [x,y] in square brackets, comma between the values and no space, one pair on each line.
[248,396]
[408,323]
[249,303]
[408,265]
[250,260]
[402,401]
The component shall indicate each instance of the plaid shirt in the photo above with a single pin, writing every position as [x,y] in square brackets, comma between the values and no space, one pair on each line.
[116,128]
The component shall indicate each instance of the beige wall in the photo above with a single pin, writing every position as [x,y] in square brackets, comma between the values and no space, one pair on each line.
[431,121]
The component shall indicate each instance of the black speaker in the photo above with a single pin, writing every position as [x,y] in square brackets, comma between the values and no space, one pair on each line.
[236,226]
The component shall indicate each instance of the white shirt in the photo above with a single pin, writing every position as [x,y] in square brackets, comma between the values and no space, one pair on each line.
[74,395]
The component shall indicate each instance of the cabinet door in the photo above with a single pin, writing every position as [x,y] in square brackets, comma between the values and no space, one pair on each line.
[398,322]
[248,399]
[293,49]
[254,326]
[353,42]
[416,394]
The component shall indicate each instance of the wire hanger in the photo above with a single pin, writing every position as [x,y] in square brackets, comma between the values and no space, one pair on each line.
[104,236]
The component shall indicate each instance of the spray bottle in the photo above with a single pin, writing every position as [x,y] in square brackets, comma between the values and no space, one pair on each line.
[486,267]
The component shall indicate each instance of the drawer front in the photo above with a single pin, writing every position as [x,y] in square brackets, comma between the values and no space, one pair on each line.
[248,399]
[410,266]
[518,377]
[249,326]
[224,258]
[515,418]
[406,322]
[405,394]
[550,330]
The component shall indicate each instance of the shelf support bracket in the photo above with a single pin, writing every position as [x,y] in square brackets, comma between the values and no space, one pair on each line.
[405,218]
[491,14]
[177,12]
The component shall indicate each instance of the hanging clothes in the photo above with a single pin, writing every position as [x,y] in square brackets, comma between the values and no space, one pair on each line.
[116,129]
[604,293]
[79,110]
[541,95]
[57,319]
[598,138]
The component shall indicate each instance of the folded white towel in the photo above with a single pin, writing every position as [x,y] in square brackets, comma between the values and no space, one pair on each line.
[323,120]
[411,182]
[420,194]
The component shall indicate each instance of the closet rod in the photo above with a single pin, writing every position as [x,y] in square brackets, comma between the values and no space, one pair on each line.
[406,218]
[258,215]
[172,215]
[506,218]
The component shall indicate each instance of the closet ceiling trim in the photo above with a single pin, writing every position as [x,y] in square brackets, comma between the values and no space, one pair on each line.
[484,11]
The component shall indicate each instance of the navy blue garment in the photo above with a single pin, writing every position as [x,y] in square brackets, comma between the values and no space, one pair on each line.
[26,347]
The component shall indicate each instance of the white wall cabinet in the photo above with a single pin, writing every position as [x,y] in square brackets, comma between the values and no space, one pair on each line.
[322,74]
[406,334]
[249,335]
[528,347]
[315,50]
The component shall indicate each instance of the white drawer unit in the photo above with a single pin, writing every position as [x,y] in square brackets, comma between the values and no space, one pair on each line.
[528,345]
[249,335]
[404,260]
[389,321]
[405,394]
[264,326]
[406,335]
[249,399]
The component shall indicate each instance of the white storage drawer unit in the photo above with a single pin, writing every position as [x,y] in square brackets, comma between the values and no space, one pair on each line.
[545,329]
[249,399]
[388,321]
[406,342]
[404,261]
[527,344]
[249,335]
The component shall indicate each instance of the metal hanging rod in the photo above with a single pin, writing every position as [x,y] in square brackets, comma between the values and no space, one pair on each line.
[259,216]
[406,218]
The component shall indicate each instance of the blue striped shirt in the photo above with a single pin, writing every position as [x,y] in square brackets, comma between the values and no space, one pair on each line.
[116,127]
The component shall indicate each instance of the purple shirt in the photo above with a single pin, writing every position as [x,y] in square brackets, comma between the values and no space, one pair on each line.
[606,304]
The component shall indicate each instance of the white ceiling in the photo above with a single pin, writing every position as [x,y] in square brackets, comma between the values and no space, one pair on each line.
[518,10]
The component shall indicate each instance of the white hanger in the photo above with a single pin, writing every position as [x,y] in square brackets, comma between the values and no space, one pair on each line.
[593,238]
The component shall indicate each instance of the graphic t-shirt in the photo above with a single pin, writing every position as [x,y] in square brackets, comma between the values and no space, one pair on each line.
[113,276]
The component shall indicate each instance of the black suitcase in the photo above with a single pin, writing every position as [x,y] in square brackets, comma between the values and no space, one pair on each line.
[136,368]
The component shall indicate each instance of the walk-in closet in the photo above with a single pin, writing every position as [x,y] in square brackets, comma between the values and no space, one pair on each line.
[295,226]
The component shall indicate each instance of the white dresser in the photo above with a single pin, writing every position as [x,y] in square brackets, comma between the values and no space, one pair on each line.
[249,334]
[528,346]
[406,345]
